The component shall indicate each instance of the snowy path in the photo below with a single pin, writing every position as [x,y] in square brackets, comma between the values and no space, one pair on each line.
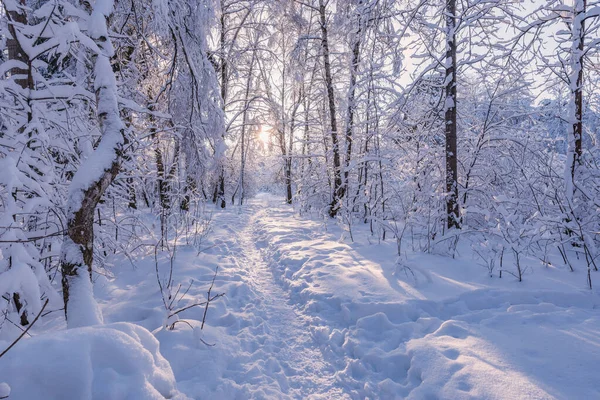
[288,346]
[310,315]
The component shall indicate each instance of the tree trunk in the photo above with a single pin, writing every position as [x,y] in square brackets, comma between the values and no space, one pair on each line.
[306,135]
[223,71]
[15,51]
[221,195]
[452,212]
[90,182]
[288,164]
[163,195]
[576,107]
[243,160]
[351,105]
[244,122]
[335,205]
[161,179]
[288,152]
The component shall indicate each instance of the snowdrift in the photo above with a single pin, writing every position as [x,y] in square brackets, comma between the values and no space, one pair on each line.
[105,362]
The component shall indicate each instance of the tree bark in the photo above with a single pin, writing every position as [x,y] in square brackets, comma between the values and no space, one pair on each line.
[15,51]
[90,182]
[452,211]
[335,205]
[220,197]
[243,133]
[575,150]
[288,159]
[351,106]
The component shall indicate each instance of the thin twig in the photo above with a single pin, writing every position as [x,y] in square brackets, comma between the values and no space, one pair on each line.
[209,299]
[188,307]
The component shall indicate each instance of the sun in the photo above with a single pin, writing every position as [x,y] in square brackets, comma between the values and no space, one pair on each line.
[264,135]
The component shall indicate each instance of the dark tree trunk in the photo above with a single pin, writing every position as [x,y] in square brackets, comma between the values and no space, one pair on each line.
[334,207]
[577,90]
[288,158]
[223,72]
[452,212]
[132,195]
[221,196]
[161,181]
[15,52]
[288,180]
[19,306]
[215,193]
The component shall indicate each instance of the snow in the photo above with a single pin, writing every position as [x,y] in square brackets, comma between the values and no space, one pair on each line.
[21,279]
[117,361]
[97,28]
[102,159]
[263,348]
[308,314]
[105,86]
[130,144]
[448,331]
[83,309]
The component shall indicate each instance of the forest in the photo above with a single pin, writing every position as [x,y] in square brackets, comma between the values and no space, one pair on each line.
[340,199]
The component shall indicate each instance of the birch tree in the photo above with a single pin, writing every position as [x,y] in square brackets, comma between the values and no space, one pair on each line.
[450,104]
[92,179]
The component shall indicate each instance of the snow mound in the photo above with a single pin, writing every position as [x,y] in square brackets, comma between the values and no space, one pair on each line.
[104,362]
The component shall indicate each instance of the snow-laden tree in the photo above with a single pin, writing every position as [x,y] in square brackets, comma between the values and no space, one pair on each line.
[43,111]
[93,176]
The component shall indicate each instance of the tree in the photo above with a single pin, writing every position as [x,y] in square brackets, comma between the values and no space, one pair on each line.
[337,189]
[37,148]
[92,179]
[450,104]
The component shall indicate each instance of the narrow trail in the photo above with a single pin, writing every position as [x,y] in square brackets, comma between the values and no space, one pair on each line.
[288,349]
[309,316]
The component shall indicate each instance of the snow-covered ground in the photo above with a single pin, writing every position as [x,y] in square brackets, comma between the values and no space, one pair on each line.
[447,332]
[307,315]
